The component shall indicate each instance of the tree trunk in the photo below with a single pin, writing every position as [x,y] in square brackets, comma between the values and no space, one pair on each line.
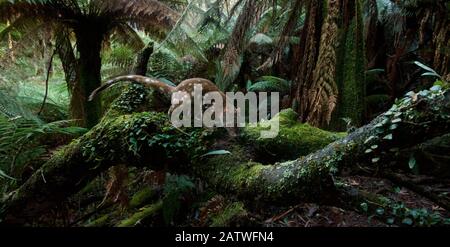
[350,69]
[140,67]
[67,57]
[89,42]
[309,49]
[330,79]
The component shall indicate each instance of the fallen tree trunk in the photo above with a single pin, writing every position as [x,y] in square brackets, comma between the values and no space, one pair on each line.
[149,139]
[376,146]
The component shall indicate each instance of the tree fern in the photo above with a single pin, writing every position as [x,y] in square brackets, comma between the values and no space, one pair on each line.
[232,61]
[323,91]
[91,23]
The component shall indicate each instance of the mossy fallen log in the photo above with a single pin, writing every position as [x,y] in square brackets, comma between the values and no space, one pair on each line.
[110,143]
[411,121]
[148,139]
[294,139]
[142,214]
[113,142]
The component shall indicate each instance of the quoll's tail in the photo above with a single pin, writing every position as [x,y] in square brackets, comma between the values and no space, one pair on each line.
[97,91]
[146,81]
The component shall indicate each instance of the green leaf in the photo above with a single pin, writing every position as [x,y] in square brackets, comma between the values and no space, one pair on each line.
[388,137]
[424,93]
[432,74]
[394,150]
[436,88]
[407,221]
[423,66]
[249,85]
[364,206]
[380,211]
[375,71]
[134,144]
[167,81]
[390,221]
[393,127]
[370,138]
[217,152]
[4,175]
[411,94]
[270,84]
[413,165]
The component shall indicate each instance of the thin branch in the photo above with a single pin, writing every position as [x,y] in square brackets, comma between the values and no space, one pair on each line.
[49,68]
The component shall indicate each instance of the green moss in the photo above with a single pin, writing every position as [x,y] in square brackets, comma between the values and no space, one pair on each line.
[125,137]
[90,187]
[230,214]
[143,214]
[294,139]
[232,171]
[134,99]
[141,197]
[245,175]
[100,222]
[350,73]
[109,96]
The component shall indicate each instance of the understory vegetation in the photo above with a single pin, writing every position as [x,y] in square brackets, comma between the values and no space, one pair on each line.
[364,120]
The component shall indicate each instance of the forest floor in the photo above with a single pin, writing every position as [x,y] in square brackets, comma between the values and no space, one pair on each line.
[399,206]
[314,215]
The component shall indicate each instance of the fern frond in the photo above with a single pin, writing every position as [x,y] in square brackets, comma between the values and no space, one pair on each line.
[45,10]
[125,34]
[166,65]
[271,84]
[237,40]
[179,39]
[121,56]
[151,16]
[285,36]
